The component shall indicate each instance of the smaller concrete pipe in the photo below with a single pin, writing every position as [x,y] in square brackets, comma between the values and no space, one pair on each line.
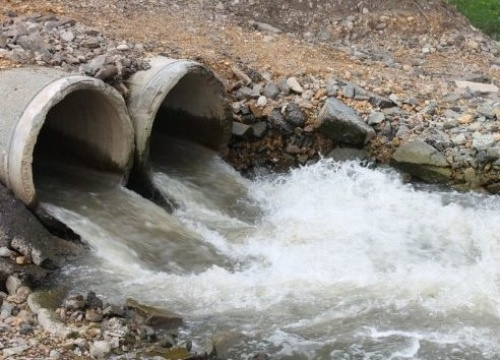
[179,98]
[77,118]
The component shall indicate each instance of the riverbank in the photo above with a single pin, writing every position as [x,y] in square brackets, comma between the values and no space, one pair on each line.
[410,73]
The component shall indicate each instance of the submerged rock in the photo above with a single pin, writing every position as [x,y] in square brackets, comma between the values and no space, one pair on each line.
[423,161]
[154,317]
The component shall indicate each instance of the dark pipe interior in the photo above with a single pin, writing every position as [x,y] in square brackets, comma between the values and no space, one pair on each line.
[193,110]
[83,130]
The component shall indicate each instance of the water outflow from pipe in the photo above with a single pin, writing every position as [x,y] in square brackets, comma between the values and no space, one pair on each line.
[126,227]
[343,262]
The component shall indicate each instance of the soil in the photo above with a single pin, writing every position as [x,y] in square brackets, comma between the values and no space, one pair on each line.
[219,33]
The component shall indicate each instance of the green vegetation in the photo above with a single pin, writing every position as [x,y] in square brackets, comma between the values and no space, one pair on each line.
[483,14]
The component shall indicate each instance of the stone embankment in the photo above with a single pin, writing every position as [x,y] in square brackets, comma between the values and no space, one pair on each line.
[445,131]
[288,122]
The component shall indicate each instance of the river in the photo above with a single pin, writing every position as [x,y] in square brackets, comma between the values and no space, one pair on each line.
[329,261]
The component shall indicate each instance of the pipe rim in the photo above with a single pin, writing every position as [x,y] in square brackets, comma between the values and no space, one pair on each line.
[144,108]
[23,141]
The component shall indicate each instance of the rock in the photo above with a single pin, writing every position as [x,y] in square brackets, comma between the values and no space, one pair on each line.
[12,284]
[245,93]
[332,87]
[381,102]
[94,65]
[459,139]
[395,99]
[54,355]
[308,94]
[347,154]
[494,188]
[154,317]
[6,252]
[33,42]
[423,161]
[341,123]
[115,327]
[106,72]
[17,224]
[466,119]
[100,349]
[277,120]
[22,246]
[483,142]
[123,47]
[294,85]
[260,26]
[74,302]
[283,86]
[93,315]
[259,129]
[241,130]
[271,91]
[476,87]
[22,260]
[294,115]
[349,91]
[430,108]
[262,101]
[90,43]
[67,35]
[25,329]
[14,351]
[376,117]
[80,342]
[92,301]
[29,273]
[22,294]
[244,78]
[112,310]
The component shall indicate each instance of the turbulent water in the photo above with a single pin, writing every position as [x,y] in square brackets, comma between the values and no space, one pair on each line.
[329,261]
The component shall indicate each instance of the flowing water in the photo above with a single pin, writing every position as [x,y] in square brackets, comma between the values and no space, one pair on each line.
[329,261]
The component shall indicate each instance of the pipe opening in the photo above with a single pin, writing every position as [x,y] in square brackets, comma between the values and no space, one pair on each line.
[84,138]
[193,110]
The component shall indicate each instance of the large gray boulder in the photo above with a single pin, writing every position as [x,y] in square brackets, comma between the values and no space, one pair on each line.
[341,123]
[422,161]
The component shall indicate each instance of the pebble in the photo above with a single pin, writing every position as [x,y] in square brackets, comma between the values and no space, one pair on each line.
[271,91]
[54,355]
[466,119]
[123,47]
[376,118]
[100,349]
[294,85]
[262,101]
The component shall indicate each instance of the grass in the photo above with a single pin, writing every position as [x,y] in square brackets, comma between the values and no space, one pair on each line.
[483,14]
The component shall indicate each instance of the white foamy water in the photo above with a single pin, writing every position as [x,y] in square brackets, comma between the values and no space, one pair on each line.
[342,262]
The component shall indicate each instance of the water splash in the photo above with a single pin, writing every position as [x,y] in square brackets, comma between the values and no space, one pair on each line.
[342,262]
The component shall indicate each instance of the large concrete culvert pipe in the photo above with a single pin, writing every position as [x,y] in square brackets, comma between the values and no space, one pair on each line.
[178,98]
[48,114]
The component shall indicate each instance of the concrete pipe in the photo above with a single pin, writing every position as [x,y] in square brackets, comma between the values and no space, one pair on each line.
[178,98]
[48,114]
